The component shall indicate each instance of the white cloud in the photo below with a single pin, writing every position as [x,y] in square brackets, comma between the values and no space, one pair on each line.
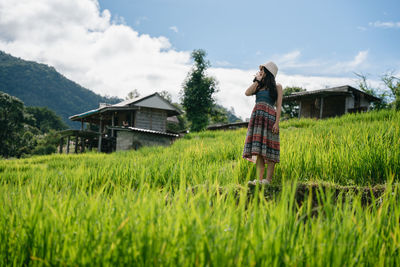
[86,46]
[139,20]
[291,60]
[174,28]
[223,63]
[290,57]
[118,20]
[384,24]
[361,28]
[102,54]
[358,60]
[318,67]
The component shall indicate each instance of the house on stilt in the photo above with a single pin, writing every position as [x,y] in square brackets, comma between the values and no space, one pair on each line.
[331,102]
[129,124]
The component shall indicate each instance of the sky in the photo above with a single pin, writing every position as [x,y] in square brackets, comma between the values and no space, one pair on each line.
[114,46]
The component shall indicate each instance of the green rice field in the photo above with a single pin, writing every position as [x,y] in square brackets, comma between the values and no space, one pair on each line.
[137,207]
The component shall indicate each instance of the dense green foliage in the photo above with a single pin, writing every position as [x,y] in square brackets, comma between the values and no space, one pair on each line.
[290,109]
[220,114]
[40,85]
[12,118]
[25,131]
[134,207]
[197,94]
[45,119]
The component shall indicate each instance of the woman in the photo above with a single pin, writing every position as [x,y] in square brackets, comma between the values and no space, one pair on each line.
[262,145]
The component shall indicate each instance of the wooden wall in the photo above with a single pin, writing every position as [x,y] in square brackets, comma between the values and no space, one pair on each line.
[334,106]
[307,108]
[152,119]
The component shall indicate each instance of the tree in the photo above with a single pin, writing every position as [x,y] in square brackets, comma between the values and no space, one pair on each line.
[364,86]
[46,143]
[133,94]
[197,94]
[232,116]
[291,109]
[393,83]
[19,128]
[11,124]
[166,95]
[45,119]
[218,114]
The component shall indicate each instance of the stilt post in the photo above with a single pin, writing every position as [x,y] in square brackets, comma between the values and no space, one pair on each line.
[321,107]
[100,136]
[68,140]
[76,144]
[61,145]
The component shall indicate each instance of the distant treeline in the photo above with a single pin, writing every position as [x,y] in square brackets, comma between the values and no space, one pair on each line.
[27,131]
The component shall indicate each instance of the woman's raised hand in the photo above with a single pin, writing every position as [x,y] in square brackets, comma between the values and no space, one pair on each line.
[258,76]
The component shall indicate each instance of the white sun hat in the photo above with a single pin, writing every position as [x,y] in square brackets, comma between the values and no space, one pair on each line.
[271,66]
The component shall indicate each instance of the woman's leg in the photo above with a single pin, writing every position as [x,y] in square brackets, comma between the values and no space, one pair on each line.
[260,164]
[270,170]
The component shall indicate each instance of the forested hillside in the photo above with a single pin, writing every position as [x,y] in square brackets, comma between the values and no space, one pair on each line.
[41,85]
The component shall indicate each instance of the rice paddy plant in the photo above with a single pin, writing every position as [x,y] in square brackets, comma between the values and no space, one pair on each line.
[346,152]
[138,207]
[153,227]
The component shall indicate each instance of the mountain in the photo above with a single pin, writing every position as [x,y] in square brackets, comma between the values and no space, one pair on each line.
[41,85]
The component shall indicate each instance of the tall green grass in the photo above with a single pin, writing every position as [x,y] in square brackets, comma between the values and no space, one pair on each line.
[136,207]
[353,149]
[154,227]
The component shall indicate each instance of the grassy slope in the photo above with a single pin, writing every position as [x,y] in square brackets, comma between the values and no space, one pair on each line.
[133,207]
[354,149]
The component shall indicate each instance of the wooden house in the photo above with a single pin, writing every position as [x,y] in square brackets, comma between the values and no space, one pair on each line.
[331,102]
[129,124]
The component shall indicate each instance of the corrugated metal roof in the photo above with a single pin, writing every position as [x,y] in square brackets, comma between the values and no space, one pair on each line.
[144,131]
[340,89]
[84,114]
[127,102]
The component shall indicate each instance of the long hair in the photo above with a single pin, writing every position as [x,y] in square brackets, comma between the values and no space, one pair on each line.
[269,82]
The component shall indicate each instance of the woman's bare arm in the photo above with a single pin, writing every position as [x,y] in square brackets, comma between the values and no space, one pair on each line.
[279,101]
[251,89]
